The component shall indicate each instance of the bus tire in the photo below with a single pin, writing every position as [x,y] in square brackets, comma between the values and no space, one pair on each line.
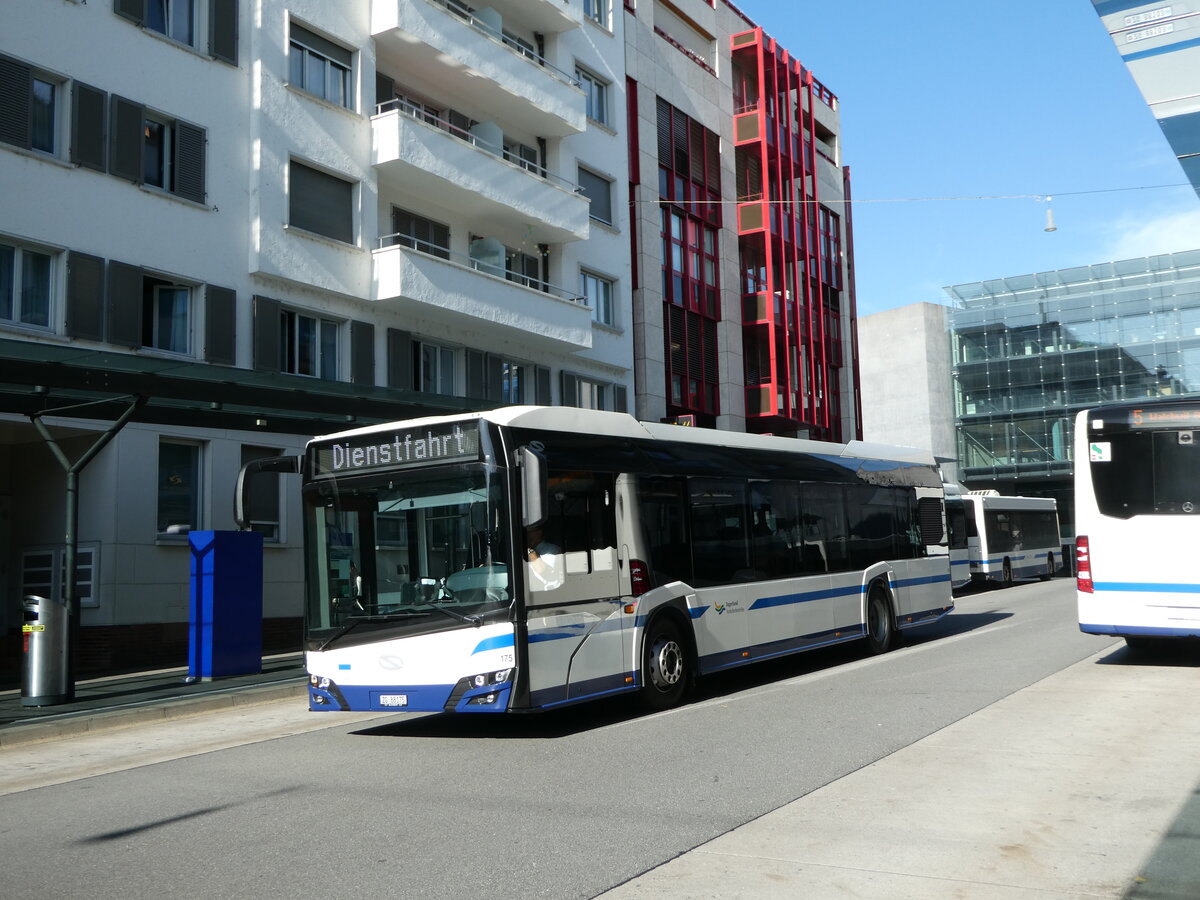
[1006,579]
[1049,567]
[881,626]
[666,667]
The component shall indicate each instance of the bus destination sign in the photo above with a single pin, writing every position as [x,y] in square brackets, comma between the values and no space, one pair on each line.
[426,445]
[1164,417]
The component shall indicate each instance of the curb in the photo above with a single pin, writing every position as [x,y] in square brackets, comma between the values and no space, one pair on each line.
[90,722]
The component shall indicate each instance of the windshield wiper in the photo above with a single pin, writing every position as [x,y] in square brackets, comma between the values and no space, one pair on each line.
[470,620]
[354,621]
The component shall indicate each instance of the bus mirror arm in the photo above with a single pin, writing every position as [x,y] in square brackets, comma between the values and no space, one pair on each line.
[288,465]
[533,487]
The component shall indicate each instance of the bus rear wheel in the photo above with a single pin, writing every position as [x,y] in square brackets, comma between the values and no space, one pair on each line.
[881,628]
[1006,578]
[1049,567]
[666,668]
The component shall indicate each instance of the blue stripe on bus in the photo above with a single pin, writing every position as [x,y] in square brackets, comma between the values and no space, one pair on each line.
[923,579]
[498,642]
[805,597]
[1146,587]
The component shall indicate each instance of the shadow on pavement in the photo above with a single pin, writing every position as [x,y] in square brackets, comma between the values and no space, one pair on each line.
[609,711]
[1173,871]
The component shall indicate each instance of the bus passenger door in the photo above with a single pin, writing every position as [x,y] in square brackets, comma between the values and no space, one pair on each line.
[576,625]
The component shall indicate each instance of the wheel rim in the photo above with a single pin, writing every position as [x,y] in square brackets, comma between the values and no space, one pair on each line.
[665,663]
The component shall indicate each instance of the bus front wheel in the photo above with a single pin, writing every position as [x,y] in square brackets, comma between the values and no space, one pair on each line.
[1049,567]
[881,629]
[665,665]
[1006,579]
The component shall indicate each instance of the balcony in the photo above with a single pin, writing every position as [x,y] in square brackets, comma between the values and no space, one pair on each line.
[453,169]
[471,56]
[457,291]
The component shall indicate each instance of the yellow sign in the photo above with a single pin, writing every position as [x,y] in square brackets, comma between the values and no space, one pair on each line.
[28,628]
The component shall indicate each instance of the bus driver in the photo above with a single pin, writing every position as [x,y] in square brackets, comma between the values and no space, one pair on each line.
[545,561]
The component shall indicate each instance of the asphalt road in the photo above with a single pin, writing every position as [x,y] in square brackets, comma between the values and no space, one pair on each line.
[559,806]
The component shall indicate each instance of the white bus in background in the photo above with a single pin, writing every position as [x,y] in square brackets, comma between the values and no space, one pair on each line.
[1011,538]
[531,557]
[1137,513]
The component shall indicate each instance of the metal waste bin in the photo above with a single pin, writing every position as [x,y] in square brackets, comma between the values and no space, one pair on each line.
[45,680]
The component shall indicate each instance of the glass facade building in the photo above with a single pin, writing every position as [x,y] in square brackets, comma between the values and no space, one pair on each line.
[1030,352]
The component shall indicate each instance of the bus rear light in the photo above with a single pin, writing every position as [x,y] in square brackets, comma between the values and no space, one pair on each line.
[1083,566]
[639,577]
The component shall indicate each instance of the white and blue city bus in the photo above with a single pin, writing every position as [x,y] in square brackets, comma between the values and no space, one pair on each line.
[1011,538]
[531,557]
[1137,514]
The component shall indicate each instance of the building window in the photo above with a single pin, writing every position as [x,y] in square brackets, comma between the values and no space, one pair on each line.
[26,281]
[436,368]
[166,316]
[596,90]
[321,203]
[516,384]
[597,11]
[44,99]
[174,18]
[44,572]
[599,293]
[262,501]
[308,345]
[587,393]
[418,233]
[178,488]
[599,191]
[319,66]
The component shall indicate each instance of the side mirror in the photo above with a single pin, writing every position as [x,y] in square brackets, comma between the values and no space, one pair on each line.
[288,465]
[533,486]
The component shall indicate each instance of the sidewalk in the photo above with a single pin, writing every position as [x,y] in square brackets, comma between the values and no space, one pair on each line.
[120,700]
[1084,785]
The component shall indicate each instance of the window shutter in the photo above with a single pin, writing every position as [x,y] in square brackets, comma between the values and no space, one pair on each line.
[362,353]
[190,143]
[85,296]
[133,10]
[220,325]
[223,30]
[16,102]
[400,359]
[320,203]
[125,139]
[475,374]
[569,393]
[89,131]
[266,335]
[123,312]
[541,385]
[493,378]
[664,133]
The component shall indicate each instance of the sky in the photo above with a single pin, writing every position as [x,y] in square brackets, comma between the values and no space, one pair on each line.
[944,102]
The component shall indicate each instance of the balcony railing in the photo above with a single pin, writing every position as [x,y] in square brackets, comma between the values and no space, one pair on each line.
[401,239]
[462,11]
[417,113]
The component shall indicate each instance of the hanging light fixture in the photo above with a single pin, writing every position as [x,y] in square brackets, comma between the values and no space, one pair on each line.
[1050,226]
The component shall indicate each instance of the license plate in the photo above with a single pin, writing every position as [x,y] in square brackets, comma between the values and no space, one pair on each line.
[393,699]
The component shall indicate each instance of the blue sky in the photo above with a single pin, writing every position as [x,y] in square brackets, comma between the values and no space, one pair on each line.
[948,99]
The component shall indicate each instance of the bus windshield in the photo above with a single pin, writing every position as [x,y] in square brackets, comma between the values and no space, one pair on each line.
[1146,473]
[406,552]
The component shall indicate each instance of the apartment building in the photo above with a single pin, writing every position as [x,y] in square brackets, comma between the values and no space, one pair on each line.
[744,314]
[229,225]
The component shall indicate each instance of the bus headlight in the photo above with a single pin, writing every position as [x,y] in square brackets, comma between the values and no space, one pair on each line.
[500,676]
